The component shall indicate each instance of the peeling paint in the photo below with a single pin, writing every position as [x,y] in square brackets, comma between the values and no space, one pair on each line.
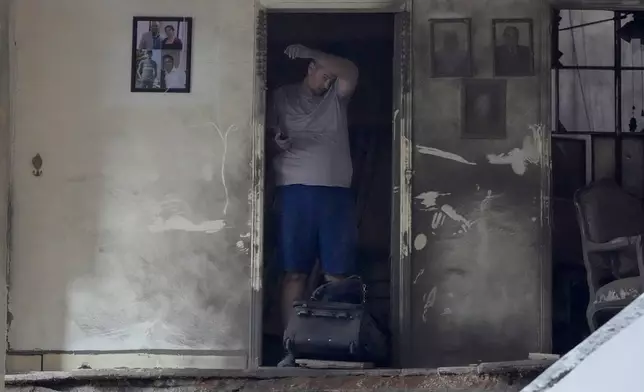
[393,121]
[224,139]
[518,159]
[438,219]
[443,154]
[614,295]
[430,299]
[451,212]
[430,203]
[180,223]
[483,248]
[405,192]
[428,199]
[223,135]
[241,246]
[420,241]
[257,206]
[419,274]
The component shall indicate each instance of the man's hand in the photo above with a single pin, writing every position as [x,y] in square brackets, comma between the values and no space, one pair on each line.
[298,52]
[343,69]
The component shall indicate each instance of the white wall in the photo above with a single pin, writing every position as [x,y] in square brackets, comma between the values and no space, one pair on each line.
[617,366]
[609,360]
[130,239]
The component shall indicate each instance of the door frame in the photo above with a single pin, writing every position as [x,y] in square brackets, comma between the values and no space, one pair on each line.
[401,161]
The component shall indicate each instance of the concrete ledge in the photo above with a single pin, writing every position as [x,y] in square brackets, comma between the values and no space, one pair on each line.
[55,362]
[506,369]
[200,381]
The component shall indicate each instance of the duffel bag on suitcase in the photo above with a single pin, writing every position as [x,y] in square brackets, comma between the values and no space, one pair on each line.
[333,330]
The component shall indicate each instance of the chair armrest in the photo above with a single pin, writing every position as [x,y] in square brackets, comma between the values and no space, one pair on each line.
[613,245]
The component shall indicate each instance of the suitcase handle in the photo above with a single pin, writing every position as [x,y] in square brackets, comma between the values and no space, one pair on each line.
[320,289]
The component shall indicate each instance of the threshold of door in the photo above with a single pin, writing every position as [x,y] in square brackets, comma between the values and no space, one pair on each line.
[528,369]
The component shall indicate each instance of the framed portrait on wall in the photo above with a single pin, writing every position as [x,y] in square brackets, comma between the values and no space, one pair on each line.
[161,54]
[483,109]
[451,48]
[513,47]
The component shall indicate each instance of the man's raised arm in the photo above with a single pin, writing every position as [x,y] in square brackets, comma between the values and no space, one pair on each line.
[343,69]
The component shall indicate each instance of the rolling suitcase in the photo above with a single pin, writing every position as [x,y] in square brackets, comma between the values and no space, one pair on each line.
[334,325]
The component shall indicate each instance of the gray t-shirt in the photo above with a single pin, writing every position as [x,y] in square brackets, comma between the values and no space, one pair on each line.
[318,150]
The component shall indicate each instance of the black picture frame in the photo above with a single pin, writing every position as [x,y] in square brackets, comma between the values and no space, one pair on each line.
[519,61]
[457,64]
[153,53]
[483,109]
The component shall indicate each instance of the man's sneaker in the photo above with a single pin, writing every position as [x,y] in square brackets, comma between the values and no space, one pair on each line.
[288,361]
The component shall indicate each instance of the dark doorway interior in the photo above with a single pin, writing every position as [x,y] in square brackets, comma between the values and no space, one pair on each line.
[569,288]
[367,40]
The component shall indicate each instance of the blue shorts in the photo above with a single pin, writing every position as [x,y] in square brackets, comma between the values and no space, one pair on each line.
[316,221]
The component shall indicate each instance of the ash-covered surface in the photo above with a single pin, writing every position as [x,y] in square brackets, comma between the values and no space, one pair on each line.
[501,377]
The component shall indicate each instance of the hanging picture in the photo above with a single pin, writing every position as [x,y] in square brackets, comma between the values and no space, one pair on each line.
[513,47]
[161,54]
[483,109]
[451,48]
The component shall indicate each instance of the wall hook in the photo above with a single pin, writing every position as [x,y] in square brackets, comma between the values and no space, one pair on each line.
[37,164]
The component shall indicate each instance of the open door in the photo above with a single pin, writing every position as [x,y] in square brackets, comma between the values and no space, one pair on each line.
[257,195]
[402,174]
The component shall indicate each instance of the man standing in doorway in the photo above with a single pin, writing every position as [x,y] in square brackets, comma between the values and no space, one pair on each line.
[312,162]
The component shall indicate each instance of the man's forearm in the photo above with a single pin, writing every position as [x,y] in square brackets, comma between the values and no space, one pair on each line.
[338,66]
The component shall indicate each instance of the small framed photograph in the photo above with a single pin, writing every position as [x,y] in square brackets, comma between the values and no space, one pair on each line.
[161,54]
[513,47]
[483,109]
[451,48]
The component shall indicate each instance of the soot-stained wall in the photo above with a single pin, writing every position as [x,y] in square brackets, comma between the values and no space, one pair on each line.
[136,235]
[478,249]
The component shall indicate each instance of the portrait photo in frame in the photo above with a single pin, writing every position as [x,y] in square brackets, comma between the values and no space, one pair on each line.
[483,111]
[161,54]
[513,43]
[451,48]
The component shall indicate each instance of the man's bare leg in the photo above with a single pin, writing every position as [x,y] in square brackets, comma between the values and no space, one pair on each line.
[293,288]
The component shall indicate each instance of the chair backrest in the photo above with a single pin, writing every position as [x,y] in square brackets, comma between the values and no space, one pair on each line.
[605,212]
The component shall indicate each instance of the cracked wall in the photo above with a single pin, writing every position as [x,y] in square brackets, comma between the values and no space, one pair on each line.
[135,236]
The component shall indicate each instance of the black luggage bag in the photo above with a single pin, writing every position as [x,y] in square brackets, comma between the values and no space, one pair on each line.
[335,326]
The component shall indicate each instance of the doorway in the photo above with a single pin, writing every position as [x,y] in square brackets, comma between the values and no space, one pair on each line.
[367,39]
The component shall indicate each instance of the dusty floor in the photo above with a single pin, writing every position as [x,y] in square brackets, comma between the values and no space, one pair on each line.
[499,377]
